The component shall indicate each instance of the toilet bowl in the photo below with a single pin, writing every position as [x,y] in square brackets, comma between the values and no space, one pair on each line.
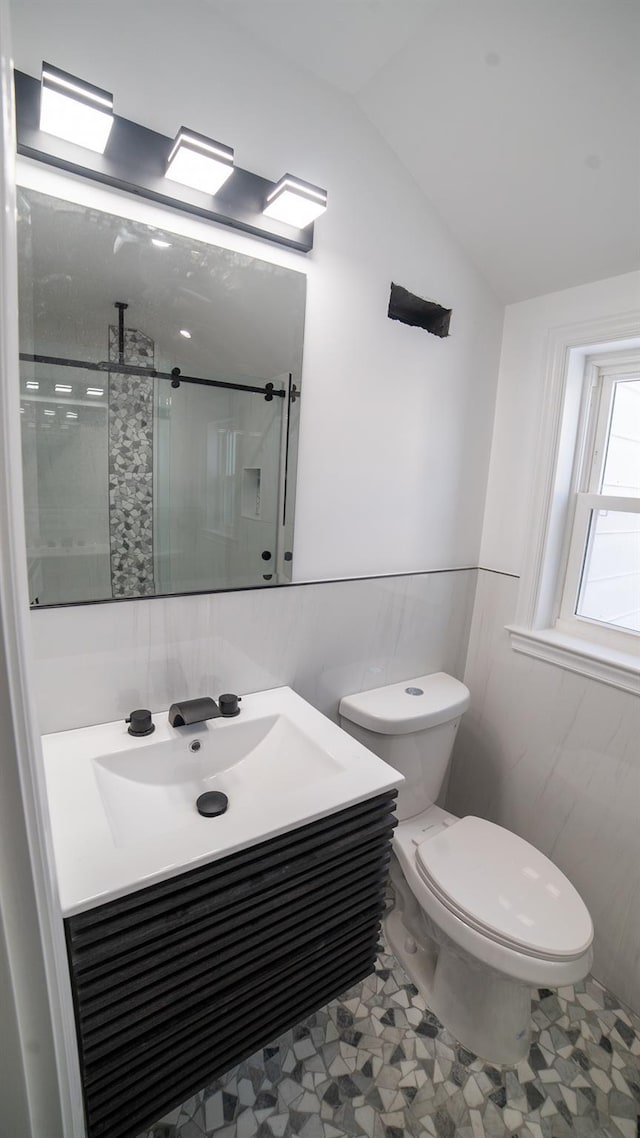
[480,915]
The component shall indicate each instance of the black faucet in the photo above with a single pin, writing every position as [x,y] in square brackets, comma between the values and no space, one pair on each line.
[189,711]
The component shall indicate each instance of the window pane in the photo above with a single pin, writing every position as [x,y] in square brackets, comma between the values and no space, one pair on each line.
[621,474]
[610,585]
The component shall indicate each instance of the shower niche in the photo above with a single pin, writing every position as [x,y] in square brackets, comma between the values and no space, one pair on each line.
[159,404]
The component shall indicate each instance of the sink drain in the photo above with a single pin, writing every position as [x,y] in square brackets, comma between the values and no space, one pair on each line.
[212,803]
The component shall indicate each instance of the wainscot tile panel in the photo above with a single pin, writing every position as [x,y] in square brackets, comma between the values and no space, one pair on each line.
[554,756]
[94,663]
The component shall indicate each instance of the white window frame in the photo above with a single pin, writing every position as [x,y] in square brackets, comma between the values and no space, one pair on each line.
[602,375]
[544,627]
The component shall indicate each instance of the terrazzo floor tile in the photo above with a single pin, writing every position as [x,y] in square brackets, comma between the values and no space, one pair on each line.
[376,1063]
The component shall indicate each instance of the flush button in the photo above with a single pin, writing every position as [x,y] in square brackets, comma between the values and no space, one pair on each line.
[414,691]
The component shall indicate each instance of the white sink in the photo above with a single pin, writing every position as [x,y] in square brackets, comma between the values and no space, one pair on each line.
[123,810]
[152,788]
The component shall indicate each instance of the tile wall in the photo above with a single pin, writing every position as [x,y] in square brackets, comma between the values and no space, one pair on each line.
[96,663]
[555,756]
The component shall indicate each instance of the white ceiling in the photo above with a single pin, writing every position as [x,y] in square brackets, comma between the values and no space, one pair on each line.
[518,118]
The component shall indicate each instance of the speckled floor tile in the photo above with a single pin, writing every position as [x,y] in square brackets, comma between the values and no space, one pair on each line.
[376,1063]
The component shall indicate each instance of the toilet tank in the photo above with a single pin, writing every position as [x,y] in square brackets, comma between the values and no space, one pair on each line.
[412,726]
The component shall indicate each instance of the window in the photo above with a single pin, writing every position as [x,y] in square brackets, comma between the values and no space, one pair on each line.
[579,598]
[601,593]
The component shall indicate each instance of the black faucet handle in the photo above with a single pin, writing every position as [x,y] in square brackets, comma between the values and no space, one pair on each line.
[140,723]
[228,704]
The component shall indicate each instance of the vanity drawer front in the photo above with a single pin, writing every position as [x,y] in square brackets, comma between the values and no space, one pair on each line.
[178,982]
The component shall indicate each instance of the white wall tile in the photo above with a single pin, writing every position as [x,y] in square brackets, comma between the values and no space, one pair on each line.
[96,663]
[555,757]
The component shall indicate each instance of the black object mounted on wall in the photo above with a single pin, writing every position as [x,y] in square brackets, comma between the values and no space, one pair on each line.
[419,313]
[135,160]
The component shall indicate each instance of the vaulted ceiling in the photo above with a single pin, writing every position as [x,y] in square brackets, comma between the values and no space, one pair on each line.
[519,119]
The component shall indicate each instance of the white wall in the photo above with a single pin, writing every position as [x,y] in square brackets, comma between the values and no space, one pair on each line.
[28,1093]
[545,752]
[325,640]
[12,1086]
[32,1101]
[519,405]
[395,423]
[554,756]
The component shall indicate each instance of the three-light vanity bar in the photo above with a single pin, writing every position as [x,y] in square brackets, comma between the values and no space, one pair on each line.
[66,122]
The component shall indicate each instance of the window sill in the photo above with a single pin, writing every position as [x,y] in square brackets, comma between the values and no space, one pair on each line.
[619,669]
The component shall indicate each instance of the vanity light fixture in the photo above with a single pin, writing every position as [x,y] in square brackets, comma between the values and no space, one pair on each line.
[60,119]
[74,110]
[295,202]
[199,162]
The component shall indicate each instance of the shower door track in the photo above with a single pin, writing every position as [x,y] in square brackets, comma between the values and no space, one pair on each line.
[174,376]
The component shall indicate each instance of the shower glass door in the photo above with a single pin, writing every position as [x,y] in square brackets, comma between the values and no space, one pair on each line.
[198,500]
[216,485]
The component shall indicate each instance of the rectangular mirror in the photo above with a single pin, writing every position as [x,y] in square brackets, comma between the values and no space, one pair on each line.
[160,383]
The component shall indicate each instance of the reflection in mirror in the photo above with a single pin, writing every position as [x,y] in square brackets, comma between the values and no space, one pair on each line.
[160,383]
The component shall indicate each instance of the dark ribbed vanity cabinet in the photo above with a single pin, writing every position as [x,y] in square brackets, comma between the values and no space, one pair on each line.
[176,983]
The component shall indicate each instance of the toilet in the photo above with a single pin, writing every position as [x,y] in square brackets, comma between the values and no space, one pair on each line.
[481,917]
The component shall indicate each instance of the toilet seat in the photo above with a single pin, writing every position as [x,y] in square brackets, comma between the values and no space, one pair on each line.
[505,889]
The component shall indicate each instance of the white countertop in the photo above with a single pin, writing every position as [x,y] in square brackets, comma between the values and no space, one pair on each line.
[123,811]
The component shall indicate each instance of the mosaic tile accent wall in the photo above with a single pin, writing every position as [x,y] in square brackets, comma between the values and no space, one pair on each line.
[131,468]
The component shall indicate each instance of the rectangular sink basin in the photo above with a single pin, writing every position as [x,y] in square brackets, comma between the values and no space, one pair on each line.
[123,810]
[152,789]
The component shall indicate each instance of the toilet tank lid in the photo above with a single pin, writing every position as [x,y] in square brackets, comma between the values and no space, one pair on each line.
[412,705]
